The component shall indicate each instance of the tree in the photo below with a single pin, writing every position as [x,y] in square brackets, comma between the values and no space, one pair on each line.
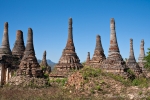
[147,59]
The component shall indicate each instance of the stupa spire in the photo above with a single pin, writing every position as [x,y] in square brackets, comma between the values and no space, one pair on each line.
[98,55]
[70,44]
[5,41]
[29,46]
[44,62]
[131,63]
[88,58]
[131,57]
[19,47]
[142,52]
[46,67]
[113,49]
[5,47]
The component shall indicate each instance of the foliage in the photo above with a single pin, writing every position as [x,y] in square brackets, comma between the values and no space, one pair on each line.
[43,67]
[119,78]
[130,72]
[142,82]
[59,81]
[98,87]
[46,75]
[147,59]
[87,71]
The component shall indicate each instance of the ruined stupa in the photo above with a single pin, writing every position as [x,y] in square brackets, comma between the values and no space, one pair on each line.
[45,67]
[29,65]
[141,60]
[88,59]
[29,72]
[114,62]
[8,62]
[131,63]
[69,59]
[98,56]
[19,47]
[5,47]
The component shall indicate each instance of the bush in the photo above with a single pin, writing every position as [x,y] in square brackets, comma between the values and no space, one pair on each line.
[147,59]
[90,72]
[142,82]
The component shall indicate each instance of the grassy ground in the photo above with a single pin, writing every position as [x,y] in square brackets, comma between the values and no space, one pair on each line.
[97,85]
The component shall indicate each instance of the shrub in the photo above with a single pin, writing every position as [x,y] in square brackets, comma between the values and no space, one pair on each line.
[147,59]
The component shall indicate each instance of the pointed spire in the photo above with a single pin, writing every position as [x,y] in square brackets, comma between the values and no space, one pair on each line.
[98,44]
[113,49]
[44,62]
[19,47]
[5,41]
[131,57]
[131,63]
[5,48]
[142,52]
[47,68]
[70,44]
[70,29]
[29,46]
[98,55]
[88,58]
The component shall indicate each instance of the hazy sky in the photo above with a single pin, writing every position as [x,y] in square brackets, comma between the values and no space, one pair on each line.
[49,21]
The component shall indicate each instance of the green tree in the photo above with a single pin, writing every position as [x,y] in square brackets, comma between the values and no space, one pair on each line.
[147,59]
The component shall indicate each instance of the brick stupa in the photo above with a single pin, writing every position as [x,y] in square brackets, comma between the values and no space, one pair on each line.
[98,56]
[131,63]
[46,68]
[114,62]
[29,66]
[5,47]
[19,47]
[69,59]
[141,60]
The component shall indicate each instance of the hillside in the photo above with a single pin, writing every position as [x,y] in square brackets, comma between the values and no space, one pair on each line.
[85,84]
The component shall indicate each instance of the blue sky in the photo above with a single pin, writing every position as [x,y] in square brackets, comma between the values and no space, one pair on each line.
[49,21]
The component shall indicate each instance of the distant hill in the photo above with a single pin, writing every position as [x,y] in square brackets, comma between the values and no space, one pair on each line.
[49,62]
